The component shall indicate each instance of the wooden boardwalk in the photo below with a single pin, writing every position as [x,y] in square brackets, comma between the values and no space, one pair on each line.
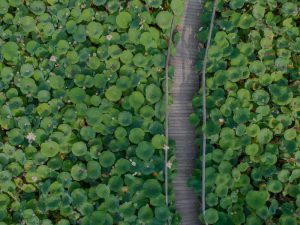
[184,86]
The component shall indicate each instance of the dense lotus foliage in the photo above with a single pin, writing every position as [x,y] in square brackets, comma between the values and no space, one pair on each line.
[253,103]
[82,111]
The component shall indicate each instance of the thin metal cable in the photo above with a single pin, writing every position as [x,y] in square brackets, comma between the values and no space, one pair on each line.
[166,147]
[204,113]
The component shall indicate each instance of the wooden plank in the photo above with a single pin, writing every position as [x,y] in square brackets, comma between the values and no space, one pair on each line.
[184,86]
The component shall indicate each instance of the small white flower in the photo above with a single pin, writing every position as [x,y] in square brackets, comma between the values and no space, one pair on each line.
[221,120]
[109,37]
[53,58]
[30,137]
[34,178]
[133,163]
[169,165]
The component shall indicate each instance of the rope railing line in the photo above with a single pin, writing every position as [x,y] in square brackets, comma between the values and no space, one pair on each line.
[204,113]
[166,147]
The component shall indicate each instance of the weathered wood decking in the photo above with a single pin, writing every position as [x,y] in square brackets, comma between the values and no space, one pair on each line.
[185,84]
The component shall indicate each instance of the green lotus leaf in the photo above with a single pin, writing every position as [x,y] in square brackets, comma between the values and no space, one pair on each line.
[295,104]
[211,216]
[280,95]
[289,9]
[154,3]
[140,60]
[80,34]
[258,11]
[71,26]
[153,93]
[113,93]
[62,47]
[290,134]
[93,115]
[9,51]
[212,128]
[15,136]
[164,19]
[115,183]
[94,30]
[38,7]
[253,130]
[158,141]
[79,149]
[79,196]
[274,186]
[99,2]
[52,202]
[97,218]
[162,213]
[114,51]
[107,159]
[72,57]
[125,118]
[145,214]
[152,188]
[177,7]
[56,82]
[246,21]
[44,96]
[87,133]
[257,67]
[236,4]
[147,40]
[239,60]
[95,101]
[257,199]
[94,62]
[50,149]
[123,20]
[268,159]
[126,56]
[79,172]
[282,64]
[261,97]
[263,212]
[136,135]
[6,74]
[102,191]
[288,220]
[93,170]
[77,95]
[46,29]
[64,178]
[4,6]
[127,210]
[241,115]
[252,149]
[214,52]
[136,100]
[264,136]
[144,150]
[27,70]
[122,166]
[28,24]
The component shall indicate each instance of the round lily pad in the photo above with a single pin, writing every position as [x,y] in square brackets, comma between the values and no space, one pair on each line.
[123,20]
[50,148]
[164,19]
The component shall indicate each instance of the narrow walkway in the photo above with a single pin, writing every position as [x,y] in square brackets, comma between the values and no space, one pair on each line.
[185,85]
